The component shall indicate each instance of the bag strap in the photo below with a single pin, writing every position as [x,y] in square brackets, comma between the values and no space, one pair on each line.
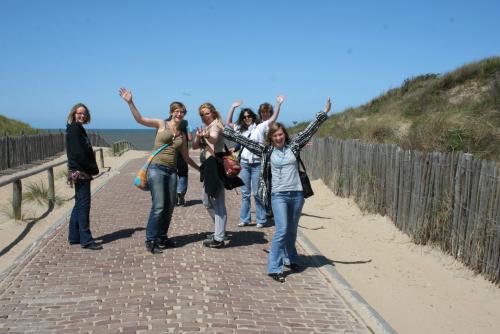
[299,161]
[150,158]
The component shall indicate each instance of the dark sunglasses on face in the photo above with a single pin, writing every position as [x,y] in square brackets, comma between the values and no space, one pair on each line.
[247,116]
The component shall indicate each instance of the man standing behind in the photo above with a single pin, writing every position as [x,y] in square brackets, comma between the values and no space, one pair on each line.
[182,167]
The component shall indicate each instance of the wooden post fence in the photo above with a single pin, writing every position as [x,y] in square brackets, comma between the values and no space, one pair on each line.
[17,187]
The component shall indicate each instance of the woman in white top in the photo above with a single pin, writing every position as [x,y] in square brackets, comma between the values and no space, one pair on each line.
[250,163]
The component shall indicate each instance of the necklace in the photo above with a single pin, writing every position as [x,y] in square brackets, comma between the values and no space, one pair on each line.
[280,157]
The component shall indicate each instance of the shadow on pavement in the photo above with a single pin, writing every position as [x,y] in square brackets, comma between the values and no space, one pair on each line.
[120,234]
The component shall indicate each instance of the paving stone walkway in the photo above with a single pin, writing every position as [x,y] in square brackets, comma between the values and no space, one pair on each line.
[188,289]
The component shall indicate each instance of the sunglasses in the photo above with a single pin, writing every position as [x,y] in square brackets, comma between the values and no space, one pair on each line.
[247,116]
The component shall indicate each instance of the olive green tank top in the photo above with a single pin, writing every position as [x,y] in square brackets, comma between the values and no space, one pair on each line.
[167,157]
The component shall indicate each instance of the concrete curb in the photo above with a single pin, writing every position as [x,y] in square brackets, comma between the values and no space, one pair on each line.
[373,320]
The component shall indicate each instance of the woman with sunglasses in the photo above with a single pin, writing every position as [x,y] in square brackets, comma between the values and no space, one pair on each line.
[247,126]
[210,140]
[162,172]
[281,187]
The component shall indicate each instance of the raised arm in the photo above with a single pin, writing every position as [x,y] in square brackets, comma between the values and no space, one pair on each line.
[279,101]
[304,136]
[253,146]
[150,122]
[229,119]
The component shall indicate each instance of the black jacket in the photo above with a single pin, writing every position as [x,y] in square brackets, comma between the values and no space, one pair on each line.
[212,174]
[79,151]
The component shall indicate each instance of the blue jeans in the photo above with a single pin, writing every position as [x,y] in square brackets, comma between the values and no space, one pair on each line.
[287,207]
[216,207]
[162,182]
[250,174]
[182,185]
[79,222]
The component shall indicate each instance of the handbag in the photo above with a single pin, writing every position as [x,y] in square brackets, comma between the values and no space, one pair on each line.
[141,179]
[230,163]
[304,179]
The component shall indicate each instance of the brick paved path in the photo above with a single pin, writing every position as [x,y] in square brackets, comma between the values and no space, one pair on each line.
[124,289]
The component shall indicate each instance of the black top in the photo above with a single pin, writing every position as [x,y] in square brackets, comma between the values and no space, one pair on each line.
[79,151]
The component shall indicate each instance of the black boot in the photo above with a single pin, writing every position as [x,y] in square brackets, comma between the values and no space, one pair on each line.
[152,247]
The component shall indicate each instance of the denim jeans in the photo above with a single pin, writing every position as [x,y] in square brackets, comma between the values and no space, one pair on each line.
[250,174]
[162,182]
[182,185]
[79,222]
[216,207]
[182,174]
[287,207]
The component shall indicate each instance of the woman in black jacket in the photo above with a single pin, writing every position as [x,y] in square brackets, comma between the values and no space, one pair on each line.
[81,167]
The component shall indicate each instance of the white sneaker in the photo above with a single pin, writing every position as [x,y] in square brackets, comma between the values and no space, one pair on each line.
[241,224]
[260,225]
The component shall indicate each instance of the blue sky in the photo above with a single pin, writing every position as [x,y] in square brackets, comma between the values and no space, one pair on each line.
[56,53]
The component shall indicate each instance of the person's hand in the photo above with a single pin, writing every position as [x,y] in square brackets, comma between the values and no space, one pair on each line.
[280,99]
[328,105]
[201,133]
[236,104]
[126,94]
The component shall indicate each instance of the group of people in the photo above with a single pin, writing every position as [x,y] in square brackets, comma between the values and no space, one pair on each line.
[269,171]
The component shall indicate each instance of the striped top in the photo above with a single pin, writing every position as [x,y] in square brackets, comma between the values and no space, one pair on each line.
[265,151]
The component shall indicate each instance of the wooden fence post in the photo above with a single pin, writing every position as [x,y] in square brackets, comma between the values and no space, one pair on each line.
[17,198]
[101,155]
[52,193]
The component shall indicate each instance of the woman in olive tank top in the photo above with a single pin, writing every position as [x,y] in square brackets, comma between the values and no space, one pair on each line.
[162,172]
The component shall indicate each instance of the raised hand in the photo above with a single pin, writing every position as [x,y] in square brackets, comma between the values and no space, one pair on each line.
[328,105]
[280,99]
[126,94]
[236,104]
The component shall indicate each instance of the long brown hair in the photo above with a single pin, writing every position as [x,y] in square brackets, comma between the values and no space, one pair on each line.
[71,115]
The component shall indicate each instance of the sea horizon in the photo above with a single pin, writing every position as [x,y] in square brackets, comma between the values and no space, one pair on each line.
[142,139]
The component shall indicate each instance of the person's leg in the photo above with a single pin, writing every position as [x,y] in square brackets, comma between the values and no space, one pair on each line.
[83,211]
[74,229]
[170,201]
[157,182]
[295,205]
[276,254]
[182,183]
[246,176]
[260,210]
[219,205]
[207,203]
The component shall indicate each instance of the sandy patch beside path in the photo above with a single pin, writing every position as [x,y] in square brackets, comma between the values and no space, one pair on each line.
[416,289]
[11,229]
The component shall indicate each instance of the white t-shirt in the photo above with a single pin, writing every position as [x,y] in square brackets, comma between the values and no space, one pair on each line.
[258,134]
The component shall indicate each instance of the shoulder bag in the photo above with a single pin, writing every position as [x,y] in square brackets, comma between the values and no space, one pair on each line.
[141,180]
[304,179]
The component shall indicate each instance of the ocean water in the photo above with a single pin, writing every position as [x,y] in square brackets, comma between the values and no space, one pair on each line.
[142,139]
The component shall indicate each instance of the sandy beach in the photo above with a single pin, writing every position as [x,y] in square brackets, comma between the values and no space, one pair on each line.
[416,289]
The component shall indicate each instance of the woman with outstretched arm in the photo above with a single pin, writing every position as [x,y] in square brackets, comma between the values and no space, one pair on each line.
[280,187]
[162,172]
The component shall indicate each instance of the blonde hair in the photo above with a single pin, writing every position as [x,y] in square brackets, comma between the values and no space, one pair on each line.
[214,112]
[71,115]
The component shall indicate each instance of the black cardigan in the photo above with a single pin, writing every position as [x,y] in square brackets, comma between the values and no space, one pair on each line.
[79,151]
